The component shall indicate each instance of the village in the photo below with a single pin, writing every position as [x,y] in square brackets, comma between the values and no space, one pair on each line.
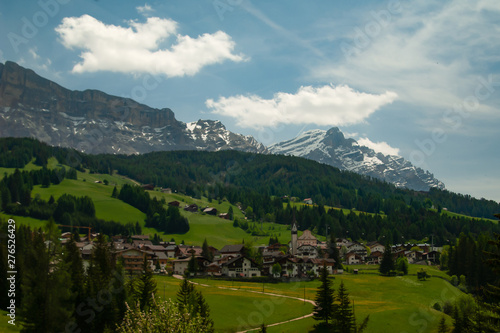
[303,257]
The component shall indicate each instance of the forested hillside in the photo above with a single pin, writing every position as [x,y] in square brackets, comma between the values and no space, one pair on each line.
[266,183]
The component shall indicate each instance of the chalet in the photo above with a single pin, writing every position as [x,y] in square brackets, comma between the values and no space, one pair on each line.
[213,269]
[376,257]
[413,256]
[314,265]
[210,211]
[171,251]
[376,247]
[174,203]
[240,267]
[352,258]
[224,216]
[154,248]
[180,266]
[307,250]
[193,208]
[140,237]
[186,251]
[133,259]
[141,243]
[161,259]
[308,201]
[432,256]
[232,250]
[167,190]
[148,187]
[307,239]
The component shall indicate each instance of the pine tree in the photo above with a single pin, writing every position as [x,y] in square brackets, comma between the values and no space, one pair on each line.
[203,310]
[206,253]
[387,264]
[185,297]
[193,264]
[74,262]
[333,251]
[443,328]
[324,309]
[46,285]
[115,192]
[145,286]
[344,316]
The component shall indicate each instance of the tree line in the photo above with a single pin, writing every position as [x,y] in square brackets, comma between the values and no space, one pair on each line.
[227,173]
[167,220]
[55,293]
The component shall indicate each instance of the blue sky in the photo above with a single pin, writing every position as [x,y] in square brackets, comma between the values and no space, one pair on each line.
[418,79]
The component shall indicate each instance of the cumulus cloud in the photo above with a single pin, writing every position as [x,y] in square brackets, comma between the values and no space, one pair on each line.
[327,105]
[136,48]
[380,147]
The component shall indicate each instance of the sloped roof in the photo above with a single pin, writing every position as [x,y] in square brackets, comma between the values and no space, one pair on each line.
[307,235]
[232,248]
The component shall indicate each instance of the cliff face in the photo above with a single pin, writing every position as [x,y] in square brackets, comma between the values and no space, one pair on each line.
[91,120]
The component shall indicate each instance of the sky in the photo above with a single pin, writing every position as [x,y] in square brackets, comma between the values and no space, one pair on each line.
[419,79]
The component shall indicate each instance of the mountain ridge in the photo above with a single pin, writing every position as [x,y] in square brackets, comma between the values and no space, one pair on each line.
[332,148]
[95,122]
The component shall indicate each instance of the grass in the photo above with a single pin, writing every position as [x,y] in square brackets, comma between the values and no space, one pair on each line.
[234,310]
[106,207]
[5,326]
[395,304]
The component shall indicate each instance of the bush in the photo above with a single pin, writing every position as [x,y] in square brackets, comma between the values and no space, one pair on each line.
[448,308]
[437,306]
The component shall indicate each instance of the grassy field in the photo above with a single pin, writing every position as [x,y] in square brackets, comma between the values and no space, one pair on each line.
[397,304]
[234,310]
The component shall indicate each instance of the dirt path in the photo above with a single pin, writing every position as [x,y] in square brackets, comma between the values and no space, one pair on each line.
[259,292]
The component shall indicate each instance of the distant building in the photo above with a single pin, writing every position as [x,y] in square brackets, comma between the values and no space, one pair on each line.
[308,201]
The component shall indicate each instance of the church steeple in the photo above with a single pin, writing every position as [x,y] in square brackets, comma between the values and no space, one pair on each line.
[293,249]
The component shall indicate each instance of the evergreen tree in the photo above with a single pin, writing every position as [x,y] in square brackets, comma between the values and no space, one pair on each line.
[203,310]
[333,251]
[193,265]
[443,328]
[387,264]
[344,316]
[230,213]
[115,192]
[145,286]
[324,309]
[185,299]
[46,285]
[99,276]
[206,253]
[74,262]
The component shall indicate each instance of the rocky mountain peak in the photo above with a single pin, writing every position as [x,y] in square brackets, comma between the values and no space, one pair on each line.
[331,147]
[95,122]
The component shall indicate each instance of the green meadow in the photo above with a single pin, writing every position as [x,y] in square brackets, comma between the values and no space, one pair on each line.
[395,304]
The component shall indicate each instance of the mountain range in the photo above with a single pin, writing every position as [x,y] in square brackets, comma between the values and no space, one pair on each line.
[95,122]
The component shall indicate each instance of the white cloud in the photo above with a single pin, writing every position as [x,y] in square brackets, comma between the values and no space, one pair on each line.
[380,147]
[145,10]
[33,52]
[327,105]
[430,55]
[136,49]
